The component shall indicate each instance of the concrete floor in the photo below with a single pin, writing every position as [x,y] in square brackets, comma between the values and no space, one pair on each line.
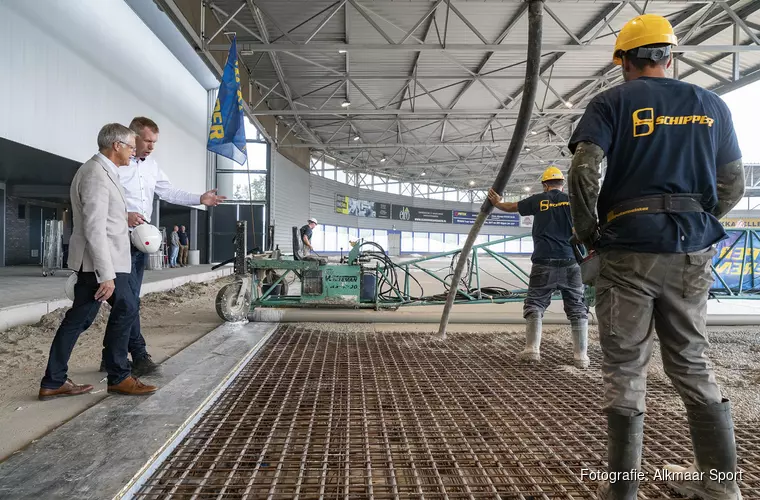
[97,454]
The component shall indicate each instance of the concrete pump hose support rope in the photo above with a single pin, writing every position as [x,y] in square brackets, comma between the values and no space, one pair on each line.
[653,223]
[533,66]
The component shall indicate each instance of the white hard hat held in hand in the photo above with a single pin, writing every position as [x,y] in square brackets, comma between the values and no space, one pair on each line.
[70,284]
[146,238]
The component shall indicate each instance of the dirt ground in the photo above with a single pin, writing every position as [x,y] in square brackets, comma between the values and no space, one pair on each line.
[170,320]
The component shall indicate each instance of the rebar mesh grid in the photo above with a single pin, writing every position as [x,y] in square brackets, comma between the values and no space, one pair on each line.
[321,414]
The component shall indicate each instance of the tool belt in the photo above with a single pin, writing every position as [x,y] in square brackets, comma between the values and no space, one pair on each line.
[657,204]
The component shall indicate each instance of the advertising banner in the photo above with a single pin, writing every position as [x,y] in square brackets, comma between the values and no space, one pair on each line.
[526,221]
[495,219]
[737,261]
[416,214]
[741,222]
[361,208]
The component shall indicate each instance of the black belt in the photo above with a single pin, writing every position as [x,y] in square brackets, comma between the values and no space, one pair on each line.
[657,204]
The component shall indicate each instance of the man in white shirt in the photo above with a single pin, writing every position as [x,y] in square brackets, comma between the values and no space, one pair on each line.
[141,180]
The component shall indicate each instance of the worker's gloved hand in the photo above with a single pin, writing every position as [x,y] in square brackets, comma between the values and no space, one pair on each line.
[588,237]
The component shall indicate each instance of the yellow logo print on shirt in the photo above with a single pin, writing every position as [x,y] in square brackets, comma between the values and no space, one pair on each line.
[545,205]
[644,121]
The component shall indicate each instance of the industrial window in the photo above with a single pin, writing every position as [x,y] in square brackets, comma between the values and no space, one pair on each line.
[512,246]
[366,234]
[381,238]
[343,239]
[331,238]
[340,176]
[421,242]
[336,239]
[436,243]
[247,182]
[451,241]
[318,241]
[526,245]
[482,238]
[499,247]
[407,242]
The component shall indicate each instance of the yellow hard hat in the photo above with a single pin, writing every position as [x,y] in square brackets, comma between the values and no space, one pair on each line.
[552,174]
[643,30]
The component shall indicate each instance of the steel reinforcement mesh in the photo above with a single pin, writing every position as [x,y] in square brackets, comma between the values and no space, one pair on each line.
[326,414]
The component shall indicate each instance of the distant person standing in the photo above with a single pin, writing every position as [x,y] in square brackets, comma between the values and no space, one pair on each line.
[184,246]
[174,247]
[304,235]
[142,179]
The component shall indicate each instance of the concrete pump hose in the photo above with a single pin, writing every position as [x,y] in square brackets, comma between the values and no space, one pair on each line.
[533,65]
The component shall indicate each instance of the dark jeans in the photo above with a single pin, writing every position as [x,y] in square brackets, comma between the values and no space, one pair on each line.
[548,277]
[79,318]
[137,347]
[136,341]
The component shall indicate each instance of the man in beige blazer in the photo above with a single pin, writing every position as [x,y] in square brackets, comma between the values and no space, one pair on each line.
[99,251]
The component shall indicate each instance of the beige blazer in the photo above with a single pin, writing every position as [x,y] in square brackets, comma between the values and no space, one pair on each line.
[100,238]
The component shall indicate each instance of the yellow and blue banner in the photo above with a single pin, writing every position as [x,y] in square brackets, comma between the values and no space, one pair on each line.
[227,134]
[737,263]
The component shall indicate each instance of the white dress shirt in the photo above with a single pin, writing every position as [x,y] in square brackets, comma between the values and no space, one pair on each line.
[111,165]
[142,178]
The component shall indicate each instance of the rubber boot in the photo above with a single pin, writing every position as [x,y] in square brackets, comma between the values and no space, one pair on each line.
[580,342]
[712,435]
[625,436]
[532,352]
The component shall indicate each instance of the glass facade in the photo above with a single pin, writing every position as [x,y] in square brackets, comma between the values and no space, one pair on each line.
[334,239]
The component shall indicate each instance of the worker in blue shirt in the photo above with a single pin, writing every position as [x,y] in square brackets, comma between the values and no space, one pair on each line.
[553,265]
[674,169]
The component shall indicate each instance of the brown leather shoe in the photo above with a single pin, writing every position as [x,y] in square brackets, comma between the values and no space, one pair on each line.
[69,388]
[131,386]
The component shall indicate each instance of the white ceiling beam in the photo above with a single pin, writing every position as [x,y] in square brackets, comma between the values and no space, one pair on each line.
[406,112]
[406,145]
[249,48]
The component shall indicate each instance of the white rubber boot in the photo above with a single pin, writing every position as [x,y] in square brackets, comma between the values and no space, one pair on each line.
[532,352]
[580,343]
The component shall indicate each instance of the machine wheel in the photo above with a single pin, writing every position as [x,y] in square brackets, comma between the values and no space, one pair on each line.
[226,301]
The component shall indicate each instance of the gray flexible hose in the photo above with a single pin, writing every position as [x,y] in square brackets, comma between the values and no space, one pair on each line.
[532,70]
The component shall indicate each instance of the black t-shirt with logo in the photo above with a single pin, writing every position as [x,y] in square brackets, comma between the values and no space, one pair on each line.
[660,136]
[552,225]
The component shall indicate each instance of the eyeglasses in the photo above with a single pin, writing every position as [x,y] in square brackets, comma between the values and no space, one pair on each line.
[133,148]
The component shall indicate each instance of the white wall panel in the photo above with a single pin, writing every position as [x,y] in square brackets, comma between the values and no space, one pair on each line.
[69,67]
[323,192]
[289,199]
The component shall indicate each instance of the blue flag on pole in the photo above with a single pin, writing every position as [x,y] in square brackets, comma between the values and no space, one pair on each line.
[227,134]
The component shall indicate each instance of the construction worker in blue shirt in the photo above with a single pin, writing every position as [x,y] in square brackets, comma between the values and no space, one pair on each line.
[674,169]
[553,265]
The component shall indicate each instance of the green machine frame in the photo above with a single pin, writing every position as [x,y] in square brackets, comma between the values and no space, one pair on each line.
[341,285]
